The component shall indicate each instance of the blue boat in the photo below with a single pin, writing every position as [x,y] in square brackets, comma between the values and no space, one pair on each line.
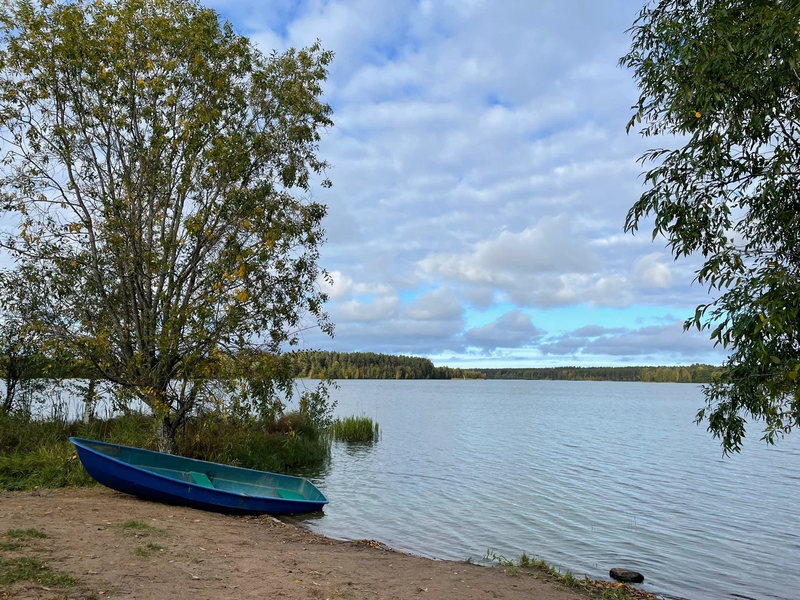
[197,483]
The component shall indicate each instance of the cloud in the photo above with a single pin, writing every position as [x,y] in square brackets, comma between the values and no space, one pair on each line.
[525,265]
[546,265]
[511,330]
[667,341]
[438,304]
[341,287]
[373,309]
[650,271]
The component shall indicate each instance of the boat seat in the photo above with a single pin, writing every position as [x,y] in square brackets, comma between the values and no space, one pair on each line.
[201,479]
[286,494]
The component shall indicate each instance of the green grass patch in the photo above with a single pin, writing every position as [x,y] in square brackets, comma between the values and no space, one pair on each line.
[601,589]
[13,570]
[355,429]
[36,453]
[148,550]
[140,529]
[9,546]
[11,539]
[25,534]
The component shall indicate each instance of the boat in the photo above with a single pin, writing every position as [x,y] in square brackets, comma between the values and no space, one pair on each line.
[196,483]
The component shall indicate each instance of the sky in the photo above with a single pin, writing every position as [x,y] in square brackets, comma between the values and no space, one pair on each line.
[482,175]
[481,178]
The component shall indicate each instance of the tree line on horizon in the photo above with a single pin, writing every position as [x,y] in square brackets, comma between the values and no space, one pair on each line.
[696,373]
[371,365]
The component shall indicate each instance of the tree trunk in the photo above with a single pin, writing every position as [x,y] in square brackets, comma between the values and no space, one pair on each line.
[165,436]
[88,403]
[11,386]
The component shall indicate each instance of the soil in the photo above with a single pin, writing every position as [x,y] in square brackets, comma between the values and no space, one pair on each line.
[190,554]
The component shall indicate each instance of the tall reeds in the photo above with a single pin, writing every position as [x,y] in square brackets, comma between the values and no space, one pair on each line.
[355,429]
[37,453]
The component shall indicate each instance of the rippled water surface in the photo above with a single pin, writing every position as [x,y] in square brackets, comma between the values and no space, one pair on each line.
[586,475]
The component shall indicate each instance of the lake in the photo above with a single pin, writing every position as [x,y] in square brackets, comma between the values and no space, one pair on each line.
[587,475]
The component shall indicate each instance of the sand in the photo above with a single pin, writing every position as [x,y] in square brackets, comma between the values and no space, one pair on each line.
[196,555]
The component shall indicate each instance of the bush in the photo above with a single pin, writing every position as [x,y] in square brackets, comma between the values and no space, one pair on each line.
[36,453]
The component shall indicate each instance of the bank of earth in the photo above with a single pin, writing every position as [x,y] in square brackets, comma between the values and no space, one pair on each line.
[118,546]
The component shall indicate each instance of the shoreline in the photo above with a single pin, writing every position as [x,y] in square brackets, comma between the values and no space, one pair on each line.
[119,546]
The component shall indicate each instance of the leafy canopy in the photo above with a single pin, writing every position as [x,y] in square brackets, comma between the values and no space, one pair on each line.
[723,76]
[160,168]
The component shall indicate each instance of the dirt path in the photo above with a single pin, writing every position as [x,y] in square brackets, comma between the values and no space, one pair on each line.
[176,552]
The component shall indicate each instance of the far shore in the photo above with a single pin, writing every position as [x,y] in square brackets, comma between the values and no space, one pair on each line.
[117,546]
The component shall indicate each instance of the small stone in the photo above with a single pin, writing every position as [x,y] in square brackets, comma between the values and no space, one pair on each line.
[626,575]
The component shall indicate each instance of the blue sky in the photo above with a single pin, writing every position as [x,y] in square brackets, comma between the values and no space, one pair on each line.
[482,175]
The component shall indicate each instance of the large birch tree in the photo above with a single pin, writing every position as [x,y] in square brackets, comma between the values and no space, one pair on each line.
[159,169]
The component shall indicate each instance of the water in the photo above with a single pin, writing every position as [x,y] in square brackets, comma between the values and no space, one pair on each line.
[586,475]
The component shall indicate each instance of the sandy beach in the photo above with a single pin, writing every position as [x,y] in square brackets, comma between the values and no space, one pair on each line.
[118,546]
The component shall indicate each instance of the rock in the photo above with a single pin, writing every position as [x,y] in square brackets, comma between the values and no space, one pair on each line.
[626,575]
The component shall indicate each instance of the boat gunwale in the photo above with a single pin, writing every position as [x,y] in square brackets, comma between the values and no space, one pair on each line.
[78,442]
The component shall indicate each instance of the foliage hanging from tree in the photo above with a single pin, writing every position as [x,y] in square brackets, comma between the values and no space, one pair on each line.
[160,168]
[723,76]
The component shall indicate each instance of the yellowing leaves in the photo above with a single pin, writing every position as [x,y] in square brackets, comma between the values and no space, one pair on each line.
[242,295]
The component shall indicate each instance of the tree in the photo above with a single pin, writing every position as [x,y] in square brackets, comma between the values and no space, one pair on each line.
[160,169]
[723,75]
[21,340]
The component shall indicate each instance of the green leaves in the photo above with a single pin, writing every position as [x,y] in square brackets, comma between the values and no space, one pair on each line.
[721,73]
[164,166]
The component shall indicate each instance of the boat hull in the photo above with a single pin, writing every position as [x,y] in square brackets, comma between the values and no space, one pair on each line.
[139,480]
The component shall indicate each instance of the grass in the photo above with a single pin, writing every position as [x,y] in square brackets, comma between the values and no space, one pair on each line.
[25,534]
[148,550]
[355,429]
[11,539]
[36,453]
[140,529]
[13,570]
[26,568]
[603,590]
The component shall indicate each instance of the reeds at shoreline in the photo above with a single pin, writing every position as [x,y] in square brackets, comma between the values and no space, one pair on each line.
[355,429]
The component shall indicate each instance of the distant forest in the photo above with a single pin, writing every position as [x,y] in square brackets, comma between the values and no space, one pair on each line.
[369,365]
[689,374]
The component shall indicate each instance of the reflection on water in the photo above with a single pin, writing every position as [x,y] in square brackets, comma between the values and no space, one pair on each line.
[587,475]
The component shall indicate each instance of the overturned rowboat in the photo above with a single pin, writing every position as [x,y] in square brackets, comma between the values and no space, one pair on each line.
[197,483]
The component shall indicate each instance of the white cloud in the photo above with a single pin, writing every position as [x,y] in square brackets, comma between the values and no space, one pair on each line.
[650,271]
[342,284]
[438,304]
[550,246]
[377,309]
